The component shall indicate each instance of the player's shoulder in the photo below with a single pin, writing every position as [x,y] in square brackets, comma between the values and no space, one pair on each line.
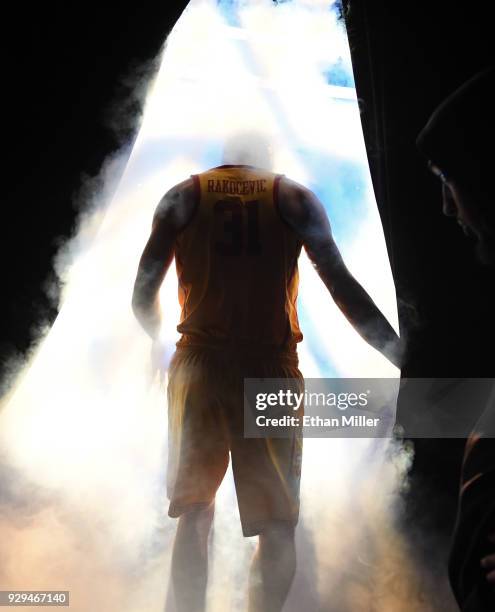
[296,201]
[177,205]
[180,191]
[292,185]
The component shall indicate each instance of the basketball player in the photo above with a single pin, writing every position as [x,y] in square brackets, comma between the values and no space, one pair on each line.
[236,232]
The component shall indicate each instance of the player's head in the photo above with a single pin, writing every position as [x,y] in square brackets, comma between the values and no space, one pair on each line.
[250,148]
[459,143]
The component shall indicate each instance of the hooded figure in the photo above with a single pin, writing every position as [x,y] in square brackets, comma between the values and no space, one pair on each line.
[459,144]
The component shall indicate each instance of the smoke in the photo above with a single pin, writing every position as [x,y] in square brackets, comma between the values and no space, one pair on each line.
[123,116]
[248,148]
[83,431]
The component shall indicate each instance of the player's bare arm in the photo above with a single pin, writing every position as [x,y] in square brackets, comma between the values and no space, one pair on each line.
[305,213]
[171,216]
[488,562]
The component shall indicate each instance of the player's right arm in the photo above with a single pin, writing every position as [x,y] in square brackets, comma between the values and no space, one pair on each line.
[304,212]
[171,216]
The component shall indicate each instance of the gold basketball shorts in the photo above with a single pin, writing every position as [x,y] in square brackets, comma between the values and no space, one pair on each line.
[206,427]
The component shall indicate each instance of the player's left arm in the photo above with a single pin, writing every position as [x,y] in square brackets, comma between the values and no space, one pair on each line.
[171,216]
[488,562]
[305,213]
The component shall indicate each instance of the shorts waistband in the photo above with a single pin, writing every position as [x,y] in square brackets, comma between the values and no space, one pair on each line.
[259,351]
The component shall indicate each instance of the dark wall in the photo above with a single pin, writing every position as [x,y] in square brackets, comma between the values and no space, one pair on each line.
[408,57]
[63,80]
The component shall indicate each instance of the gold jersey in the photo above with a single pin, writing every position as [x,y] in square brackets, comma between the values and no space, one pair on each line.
[237,264]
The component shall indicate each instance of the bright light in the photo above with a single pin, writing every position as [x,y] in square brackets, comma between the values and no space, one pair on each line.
[85,420]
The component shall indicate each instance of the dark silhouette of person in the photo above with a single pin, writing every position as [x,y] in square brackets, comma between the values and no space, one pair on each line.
[459,144]
[236,232]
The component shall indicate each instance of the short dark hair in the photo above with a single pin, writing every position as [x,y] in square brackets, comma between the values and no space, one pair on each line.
[459,137]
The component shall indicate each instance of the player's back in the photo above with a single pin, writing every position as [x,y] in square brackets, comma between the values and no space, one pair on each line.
[237,263]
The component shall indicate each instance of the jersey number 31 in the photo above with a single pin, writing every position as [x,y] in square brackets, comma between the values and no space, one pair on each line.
[241,231]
